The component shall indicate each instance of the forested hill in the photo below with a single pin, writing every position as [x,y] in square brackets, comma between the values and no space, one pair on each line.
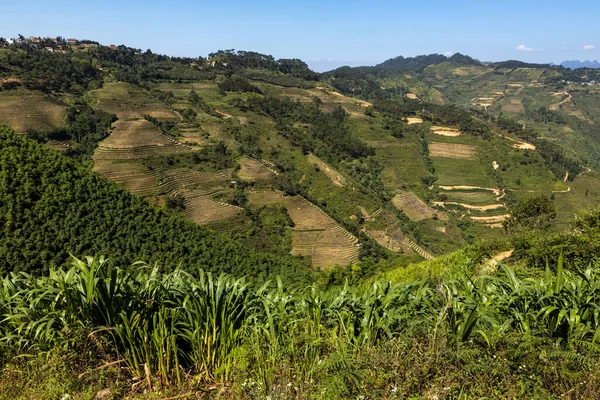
[279,158]
[419,62]
[51,206]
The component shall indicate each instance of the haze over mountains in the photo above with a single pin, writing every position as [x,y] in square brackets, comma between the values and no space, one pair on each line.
[575,64]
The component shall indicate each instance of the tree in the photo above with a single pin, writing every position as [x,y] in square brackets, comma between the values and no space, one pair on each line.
[188,115]
[533,213]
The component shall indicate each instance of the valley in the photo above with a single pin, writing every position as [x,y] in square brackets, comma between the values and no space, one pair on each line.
[427,188]
[240,226]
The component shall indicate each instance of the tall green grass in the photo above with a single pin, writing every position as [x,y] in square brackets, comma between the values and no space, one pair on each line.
[169,329]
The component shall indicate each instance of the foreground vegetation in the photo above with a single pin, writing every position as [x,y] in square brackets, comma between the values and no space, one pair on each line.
[139,332]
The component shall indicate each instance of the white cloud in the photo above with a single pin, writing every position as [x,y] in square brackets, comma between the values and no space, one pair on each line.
[448,53]
[588,47]
[522,47]
[563,48]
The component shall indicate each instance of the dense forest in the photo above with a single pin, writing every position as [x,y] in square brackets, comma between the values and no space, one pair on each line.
[78,68]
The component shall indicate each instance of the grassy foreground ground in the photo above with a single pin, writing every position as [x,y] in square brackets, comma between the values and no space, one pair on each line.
[95,331]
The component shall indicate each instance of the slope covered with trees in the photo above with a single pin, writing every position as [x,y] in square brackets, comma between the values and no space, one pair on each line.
[51,206]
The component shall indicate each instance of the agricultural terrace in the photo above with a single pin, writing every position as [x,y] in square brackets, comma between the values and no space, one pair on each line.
[315,234]
[481,204]
[59,145]
[132,176]
[461,172]
[188,179]
[452,150]
[136,139]
[181,91]
[393,239]
[252,170]
[383,239]
[414,120]
[331,98]
[192,135]
[130,102]
[397,173]
[202,209]
[25,110]
[584,195]
[415,208]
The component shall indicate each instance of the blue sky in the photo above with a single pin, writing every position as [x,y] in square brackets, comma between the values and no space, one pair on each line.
[325,34]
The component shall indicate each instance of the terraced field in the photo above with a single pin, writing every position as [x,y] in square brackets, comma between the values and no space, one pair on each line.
[461,172]
[189,180]
[396,171]
[202,209]
[452,150]
[58,145]
[136,139]
[394,240]
[385,240]
[252,170]
[315,234]
[415,208]
[474,197]
[481,204]
[192,135]
[134,177]
[130,102]
[27,110]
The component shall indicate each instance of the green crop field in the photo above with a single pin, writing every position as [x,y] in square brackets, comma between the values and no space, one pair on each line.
[455,172]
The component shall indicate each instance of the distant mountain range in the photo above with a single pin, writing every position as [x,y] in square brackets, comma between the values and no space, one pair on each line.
[574,64]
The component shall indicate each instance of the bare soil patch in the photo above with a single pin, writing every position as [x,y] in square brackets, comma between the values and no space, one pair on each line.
[445,131]
[492,219]
[414,120]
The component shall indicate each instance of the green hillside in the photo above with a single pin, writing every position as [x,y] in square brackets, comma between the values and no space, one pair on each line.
[416,229]
[50,207]
[281,159]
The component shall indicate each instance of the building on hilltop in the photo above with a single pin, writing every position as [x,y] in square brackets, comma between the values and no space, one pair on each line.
[72,41]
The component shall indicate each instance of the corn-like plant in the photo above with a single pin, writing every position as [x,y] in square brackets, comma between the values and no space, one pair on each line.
[167,326]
